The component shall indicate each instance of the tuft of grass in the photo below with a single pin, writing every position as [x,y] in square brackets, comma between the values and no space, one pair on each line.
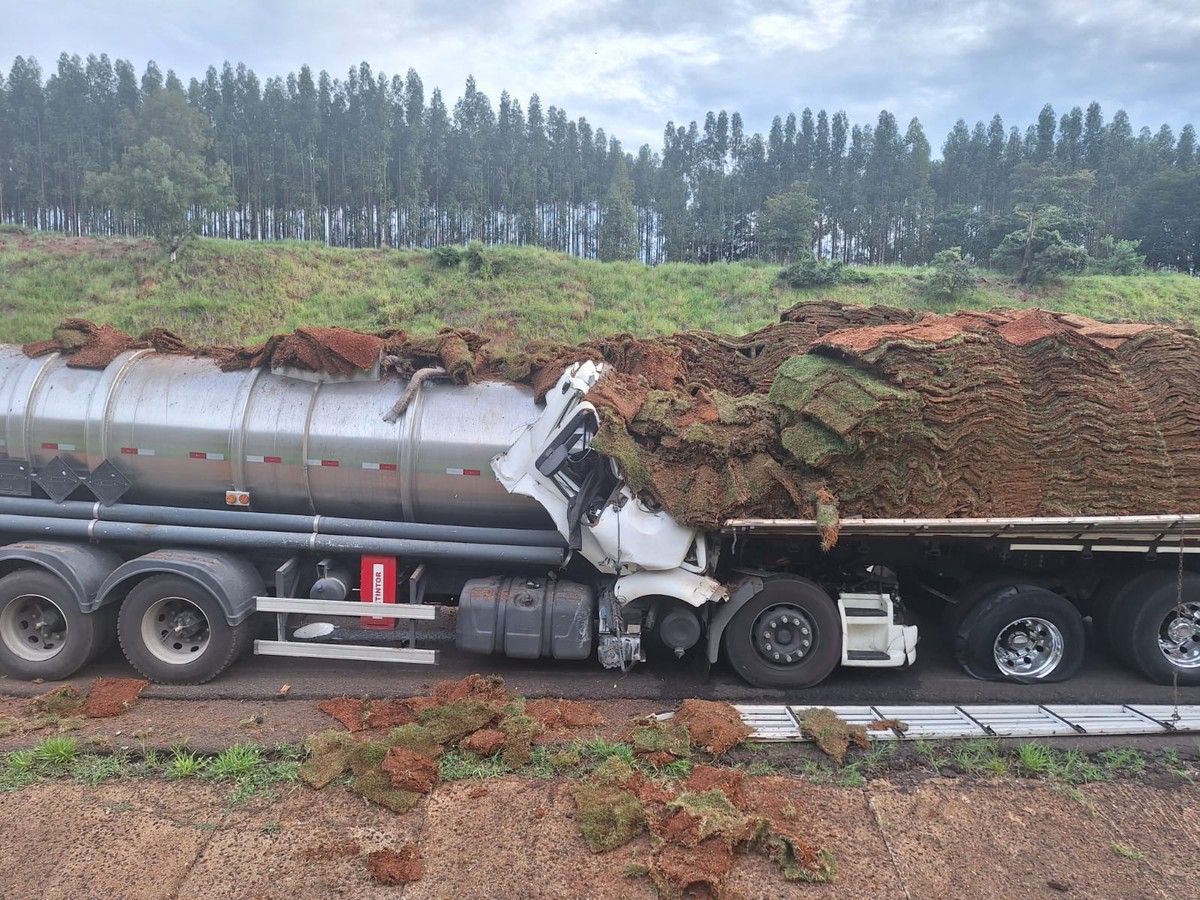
[184,764]
[976,756]
[550,762]
[249,770]
[761,768]
[458,765]
[1035,759]
[1124,850]
[95,768]
[1124,762]
[54,755]
[18,771]
[237,761]
[596,750]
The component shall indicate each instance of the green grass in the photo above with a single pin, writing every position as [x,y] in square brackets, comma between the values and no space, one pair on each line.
[241,292]
[184,764]
[1127,852]
[458,765]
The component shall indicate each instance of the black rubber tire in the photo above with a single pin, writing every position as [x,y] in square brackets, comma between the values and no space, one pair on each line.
[85,636]
[809,601]
[1138,614]
[974,643]
[968,596]
[1123,593]
[225,642]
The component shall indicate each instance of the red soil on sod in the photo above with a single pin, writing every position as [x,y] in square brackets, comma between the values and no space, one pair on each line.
[112,696]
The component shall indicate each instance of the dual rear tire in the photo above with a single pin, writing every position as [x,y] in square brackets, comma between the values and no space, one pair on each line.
[171,630]
[43,633]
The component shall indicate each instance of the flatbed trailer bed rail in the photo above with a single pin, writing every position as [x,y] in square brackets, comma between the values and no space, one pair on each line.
[1149,531]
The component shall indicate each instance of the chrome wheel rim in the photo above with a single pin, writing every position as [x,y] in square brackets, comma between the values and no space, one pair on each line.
[783,635]
[175,630]
[1179,635]
[33,628]
[1029,648]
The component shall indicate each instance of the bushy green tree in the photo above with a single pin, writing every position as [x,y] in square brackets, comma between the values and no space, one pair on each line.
[1040,257]
[810,273]
[785,225]
[163,179]
[951,278]
[1117,257]
[619,222]
[1049,204]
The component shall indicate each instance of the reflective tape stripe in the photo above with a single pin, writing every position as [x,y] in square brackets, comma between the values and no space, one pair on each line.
[264,459]
[380,467]
[55,446]
[327,463]
[136,451]
[199,454]
[472,472]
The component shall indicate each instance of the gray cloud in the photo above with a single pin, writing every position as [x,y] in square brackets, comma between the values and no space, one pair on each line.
[629,66]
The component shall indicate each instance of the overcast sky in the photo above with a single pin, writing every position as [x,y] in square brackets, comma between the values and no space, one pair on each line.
[630,66]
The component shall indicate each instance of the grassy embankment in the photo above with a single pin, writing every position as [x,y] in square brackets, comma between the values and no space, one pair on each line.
[229,292]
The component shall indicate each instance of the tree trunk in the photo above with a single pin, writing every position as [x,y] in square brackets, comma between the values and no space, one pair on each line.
[1027,259]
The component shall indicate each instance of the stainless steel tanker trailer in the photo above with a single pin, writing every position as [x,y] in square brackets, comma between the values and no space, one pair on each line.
[195,514]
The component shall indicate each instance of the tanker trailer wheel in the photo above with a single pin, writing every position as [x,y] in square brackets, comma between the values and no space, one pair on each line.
[788,635]
[174,632]
[1021,633]
[43,633]
[1155,626]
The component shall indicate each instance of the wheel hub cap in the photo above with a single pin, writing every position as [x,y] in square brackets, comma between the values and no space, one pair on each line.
[33,628]
[175,630]
[1179,636]
[783,635]
[1029,648]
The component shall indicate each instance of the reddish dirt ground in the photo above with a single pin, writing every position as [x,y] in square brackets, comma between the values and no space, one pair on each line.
[914,835]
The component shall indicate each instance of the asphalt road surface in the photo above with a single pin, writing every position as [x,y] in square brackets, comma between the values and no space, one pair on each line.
[934,679]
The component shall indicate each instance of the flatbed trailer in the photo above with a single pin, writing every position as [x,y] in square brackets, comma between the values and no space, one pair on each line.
[1016,589]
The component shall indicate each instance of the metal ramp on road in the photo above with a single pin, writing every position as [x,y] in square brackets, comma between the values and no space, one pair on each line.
[782,723]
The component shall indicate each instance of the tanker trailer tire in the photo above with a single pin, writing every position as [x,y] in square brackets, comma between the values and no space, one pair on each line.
[788,635]
[967,597]
[1021,633]
[174,632]
[1155,627]
[43,633]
